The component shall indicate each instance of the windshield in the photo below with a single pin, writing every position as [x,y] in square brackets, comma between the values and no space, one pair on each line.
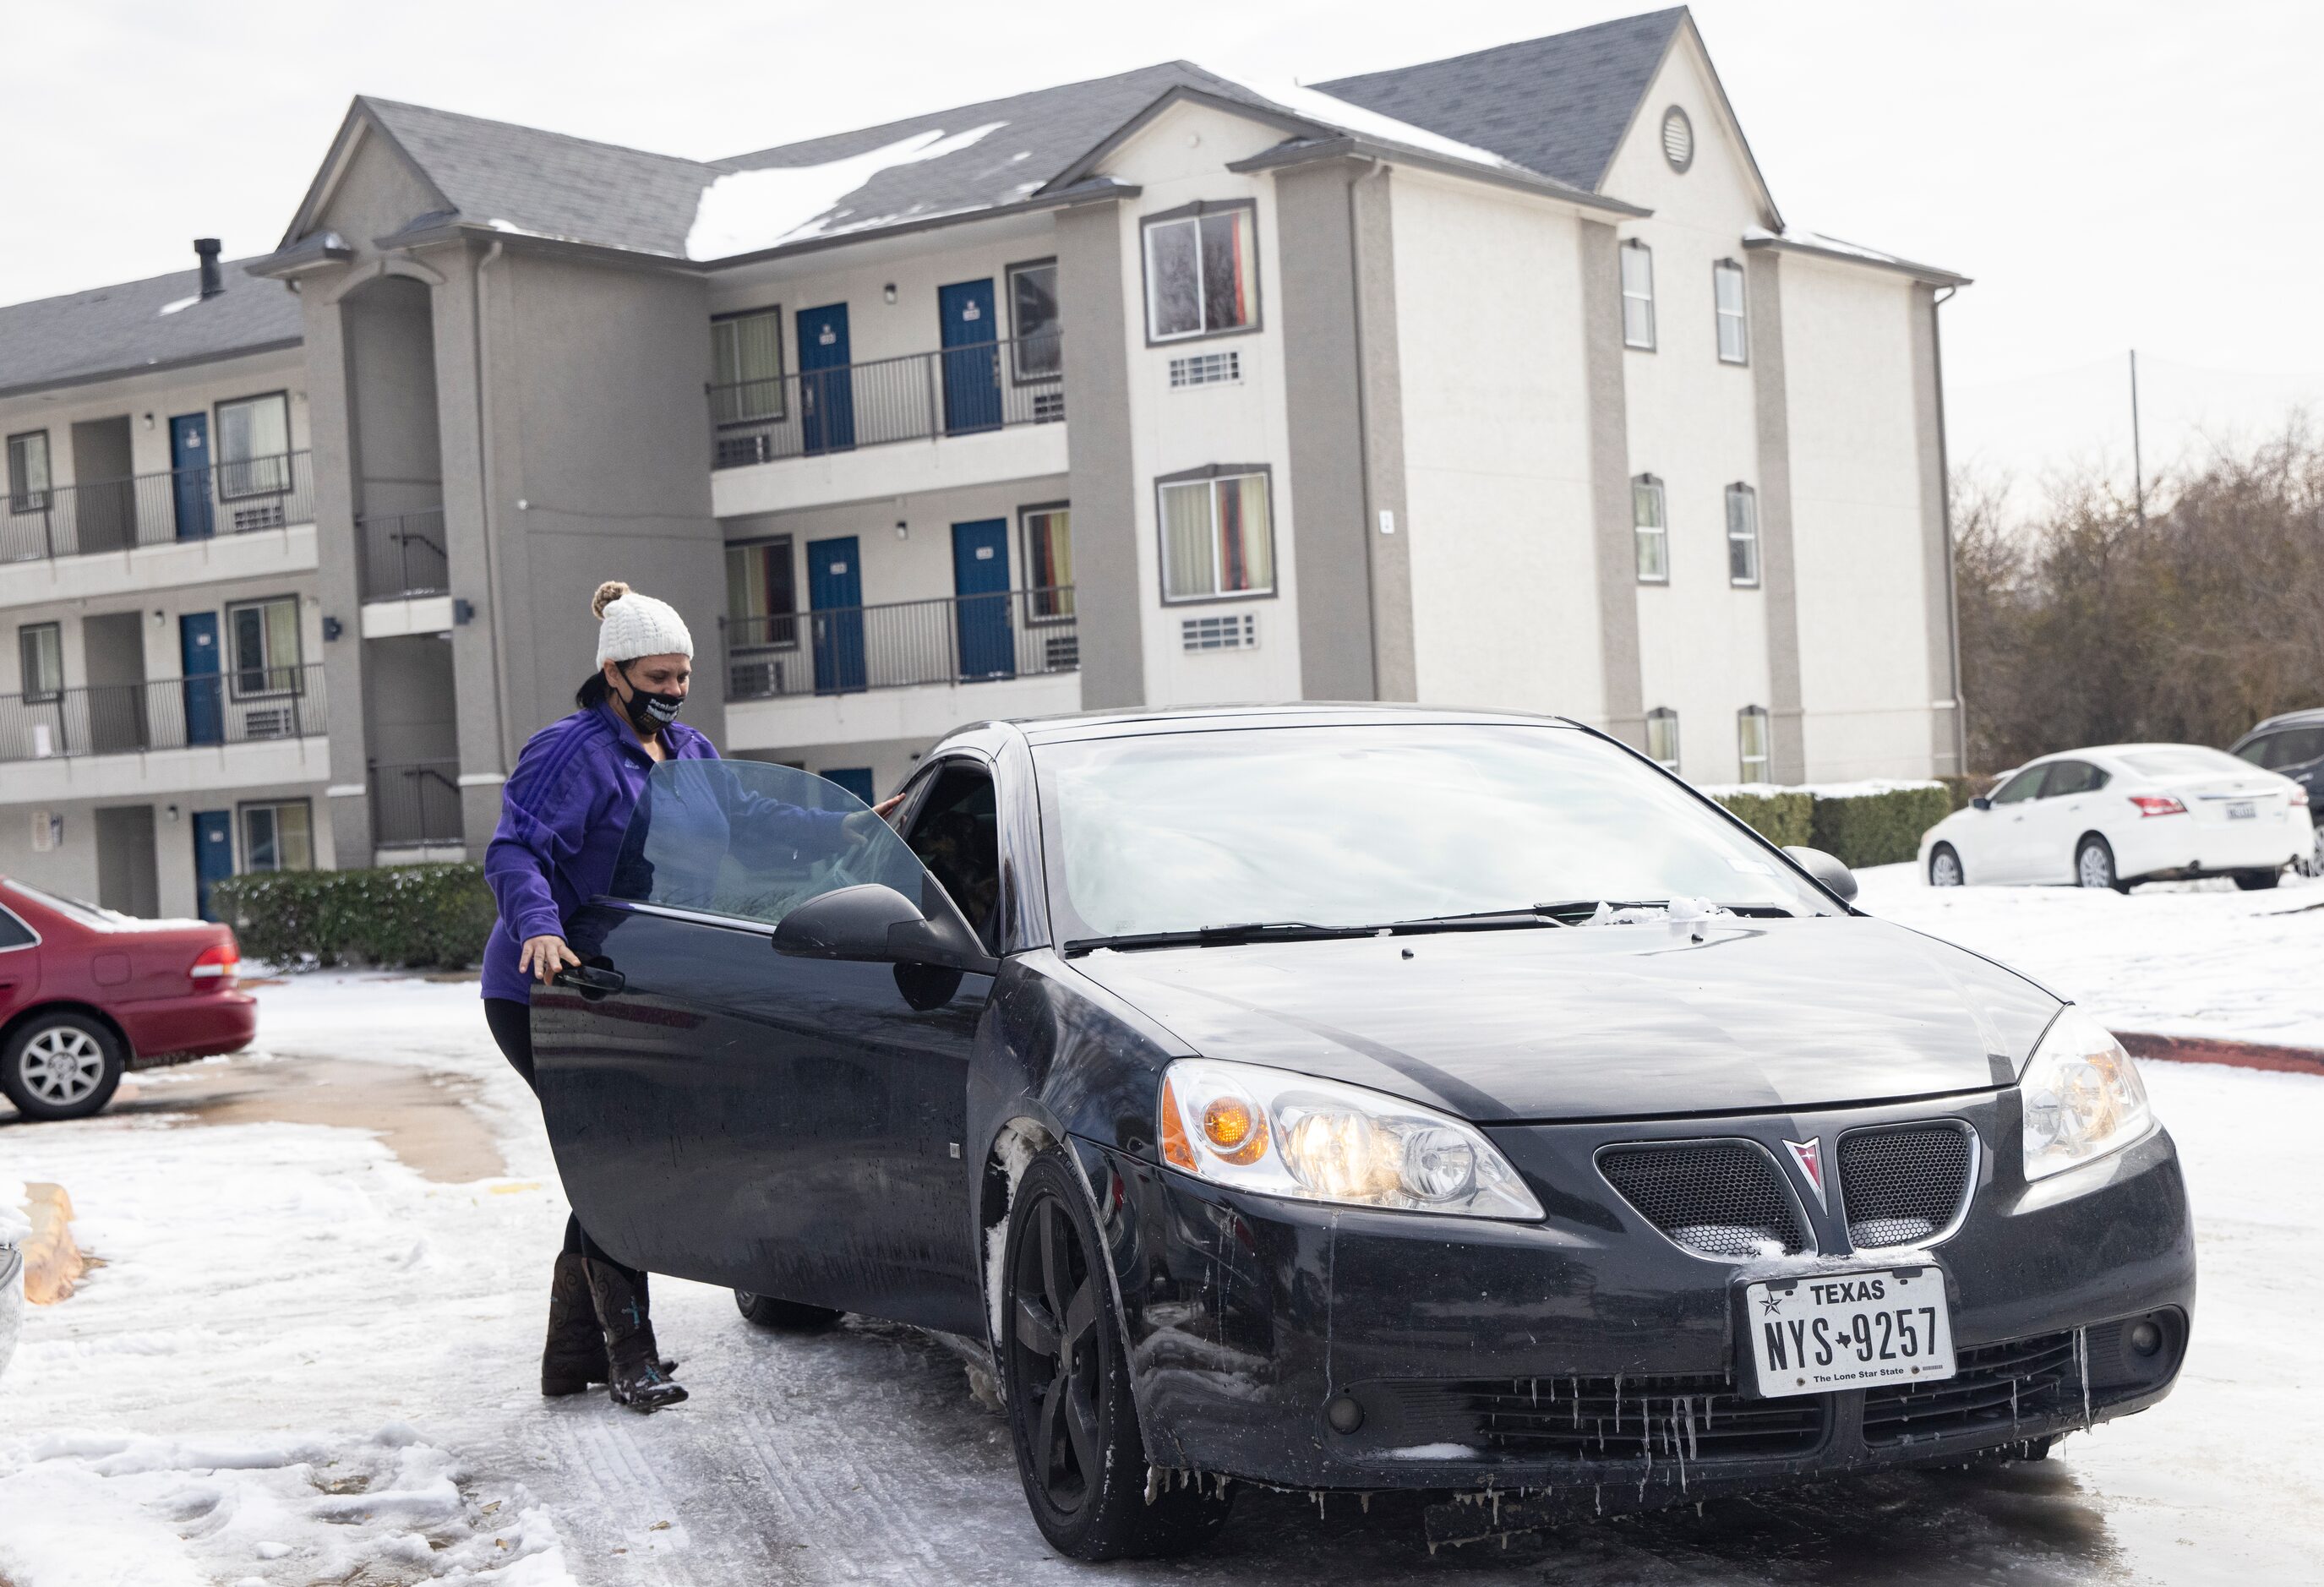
[1371,825]
[752,840]
[88,913]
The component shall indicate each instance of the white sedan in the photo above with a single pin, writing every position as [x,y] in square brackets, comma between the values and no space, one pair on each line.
[2123,813]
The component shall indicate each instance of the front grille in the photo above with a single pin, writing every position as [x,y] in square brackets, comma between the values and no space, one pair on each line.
[1902,1185]
[1996,1386]
[1723,1198]
[1692,1418]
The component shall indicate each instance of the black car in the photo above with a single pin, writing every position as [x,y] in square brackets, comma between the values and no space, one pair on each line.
[1362,1098]
[2293,745]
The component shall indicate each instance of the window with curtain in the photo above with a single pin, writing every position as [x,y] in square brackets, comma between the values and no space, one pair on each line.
[1216,540]
[253,447]
[1726,306]
[1750,743]
[278,837]
[1201,274]
[746,366]
[1637,296]
[1742,535]
[265,636]
[761,595]
[1033,320]
[1662,738]
[28,472]
[1050,561]
[41,652]
[1653,531]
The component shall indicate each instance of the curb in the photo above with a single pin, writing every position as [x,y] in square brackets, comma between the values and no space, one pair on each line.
[52,1262]
[2239,1054]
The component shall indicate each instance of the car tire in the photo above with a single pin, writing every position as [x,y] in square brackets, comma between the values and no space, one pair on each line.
[784,1316]
[2312,863]
[1945,867]
[2094,864]
[61,1067]
[2257,881]
[1065,1367]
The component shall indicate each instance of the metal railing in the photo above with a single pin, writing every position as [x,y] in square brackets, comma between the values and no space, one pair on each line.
[241,706]
[402,554]
[959,391]
[416,804]
[239,497]
[846,649]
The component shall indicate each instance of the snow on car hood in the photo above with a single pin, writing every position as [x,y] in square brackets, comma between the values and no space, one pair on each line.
[1718,1015]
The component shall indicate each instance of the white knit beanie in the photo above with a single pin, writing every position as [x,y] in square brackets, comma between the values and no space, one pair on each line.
[631,626]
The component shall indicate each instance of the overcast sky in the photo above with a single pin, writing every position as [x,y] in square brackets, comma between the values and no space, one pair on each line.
[2131,173]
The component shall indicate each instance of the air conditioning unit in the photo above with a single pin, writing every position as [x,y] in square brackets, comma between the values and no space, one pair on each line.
[270,722]
[268,515]
[1236,630]
[1061,652]
[755,677]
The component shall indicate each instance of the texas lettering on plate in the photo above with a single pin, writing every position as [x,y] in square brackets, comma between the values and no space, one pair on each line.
[1848,1330]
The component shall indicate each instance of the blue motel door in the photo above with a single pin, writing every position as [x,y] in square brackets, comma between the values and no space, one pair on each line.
[826,380]
[190,474]
[834,594]
[213,854]
[198,651]
[972,362]
[980,578]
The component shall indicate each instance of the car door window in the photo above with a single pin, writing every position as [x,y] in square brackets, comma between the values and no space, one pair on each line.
[955,833]
[2294,746]
[2072,777]
[2025,785]
[752,840]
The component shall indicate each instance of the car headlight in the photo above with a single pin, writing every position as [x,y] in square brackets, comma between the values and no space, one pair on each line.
[2082,1096]
[1284,1134]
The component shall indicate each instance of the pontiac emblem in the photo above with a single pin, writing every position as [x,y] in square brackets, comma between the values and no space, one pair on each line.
[1809,1155]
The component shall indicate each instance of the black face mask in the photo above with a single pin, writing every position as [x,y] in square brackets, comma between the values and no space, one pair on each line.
[650,713]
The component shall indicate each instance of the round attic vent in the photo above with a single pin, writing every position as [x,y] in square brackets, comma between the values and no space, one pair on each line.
[1678,138]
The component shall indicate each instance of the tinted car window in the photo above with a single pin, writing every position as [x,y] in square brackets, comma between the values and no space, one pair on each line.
[14,933]
[956,835]
[2290,746]
[87,914]
[752,840]
[1361,826]
[2025,785]
[2072,777]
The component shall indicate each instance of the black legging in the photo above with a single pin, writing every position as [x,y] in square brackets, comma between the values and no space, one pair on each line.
[512,1026]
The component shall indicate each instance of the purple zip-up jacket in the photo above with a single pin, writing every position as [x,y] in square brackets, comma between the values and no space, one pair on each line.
[563,814]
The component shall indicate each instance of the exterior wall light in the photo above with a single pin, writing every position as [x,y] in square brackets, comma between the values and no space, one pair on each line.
[888,291]
[903,530]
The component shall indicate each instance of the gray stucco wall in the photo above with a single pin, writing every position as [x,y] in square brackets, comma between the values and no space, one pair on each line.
[1936,534]
[1095,351]
[348,813]
[1778,569]
[390,384]
[1609,483]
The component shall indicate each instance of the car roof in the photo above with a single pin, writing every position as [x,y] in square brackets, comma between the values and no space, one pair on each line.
[2312,717]
[1119,724]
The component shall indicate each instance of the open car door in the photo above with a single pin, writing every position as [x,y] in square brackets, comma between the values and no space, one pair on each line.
[760,1077]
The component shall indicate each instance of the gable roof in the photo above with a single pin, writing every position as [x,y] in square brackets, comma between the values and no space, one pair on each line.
[159,323]
[1558,105]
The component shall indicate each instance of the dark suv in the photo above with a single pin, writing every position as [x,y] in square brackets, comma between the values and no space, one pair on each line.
[2293,745]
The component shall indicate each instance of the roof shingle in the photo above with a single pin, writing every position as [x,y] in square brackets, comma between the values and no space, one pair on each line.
[130,326]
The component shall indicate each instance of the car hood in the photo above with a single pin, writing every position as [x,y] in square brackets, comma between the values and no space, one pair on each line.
[1724,1015]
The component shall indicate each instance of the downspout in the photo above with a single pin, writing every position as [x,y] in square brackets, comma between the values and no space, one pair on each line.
[1945,512]
[1363,415]
[484,515]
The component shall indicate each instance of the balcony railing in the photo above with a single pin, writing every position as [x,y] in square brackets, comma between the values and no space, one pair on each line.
[402,554]
[241,706]
[157,509]
[846,649]
[960,391]
[416,805]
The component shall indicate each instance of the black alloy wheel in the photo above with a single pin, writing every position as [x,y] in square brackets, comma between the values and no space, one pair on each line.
[1945,867]
[1073,1422]
[61,1067]
[784,1316]
[2094,864]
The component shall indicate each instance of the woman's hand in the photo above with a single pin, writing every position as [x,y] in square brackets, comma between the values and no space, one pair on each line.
[858,823]
[886,804]
[543,956]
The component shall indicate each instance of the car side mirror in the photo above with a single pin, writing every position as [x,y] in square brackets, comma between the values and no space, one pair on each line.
[873,923]
[1980,803]
[1837,878]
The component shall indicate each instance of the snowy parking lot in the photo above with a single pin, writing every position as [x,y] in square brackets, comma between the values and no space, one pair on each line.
[310,1354]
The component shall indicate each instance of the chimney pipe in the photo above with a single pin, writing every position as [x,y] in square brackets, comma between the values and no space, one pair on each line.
[207,249]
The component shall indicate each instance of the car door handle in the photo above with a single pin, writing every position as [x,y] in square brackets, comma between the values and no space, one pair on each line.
[590,978]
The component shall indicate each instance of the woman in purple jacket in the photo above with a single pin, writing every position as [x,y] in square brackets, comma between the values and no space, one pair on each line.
[563,814]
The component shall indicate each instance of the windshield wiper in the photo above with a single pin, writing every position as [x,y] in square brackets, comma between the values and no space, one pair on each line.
[1221,935]
[1567,912]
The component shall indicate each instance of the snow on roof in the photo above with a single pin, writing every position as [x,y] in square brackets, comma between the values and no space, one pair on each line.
[1759,236]
[1315,105]
[744,211]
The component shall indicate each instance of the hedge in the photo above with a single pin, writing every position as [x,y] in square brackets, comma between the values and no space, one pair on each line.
[417,917]
[1874,827]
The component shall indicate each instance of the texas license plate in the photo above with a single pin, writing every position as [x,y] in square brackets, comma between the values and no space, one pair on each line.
[1848,1330]
[2242,810]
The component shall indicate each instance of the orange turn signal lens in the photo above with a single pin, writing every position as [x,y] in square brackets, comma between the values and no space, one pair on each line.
[1235,1130]
[1175,1149]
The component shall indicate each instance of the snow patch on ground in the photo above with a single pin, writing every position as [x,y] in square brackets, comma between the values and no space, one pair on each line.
[1862,788]
[747,210]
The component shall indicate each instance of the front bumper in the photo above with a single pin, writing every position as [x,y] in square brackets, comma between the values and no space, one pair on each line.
[1590,1359]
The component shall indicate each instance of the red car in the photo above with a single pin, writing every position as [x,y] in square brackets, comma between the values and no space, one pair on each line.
[85,992]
